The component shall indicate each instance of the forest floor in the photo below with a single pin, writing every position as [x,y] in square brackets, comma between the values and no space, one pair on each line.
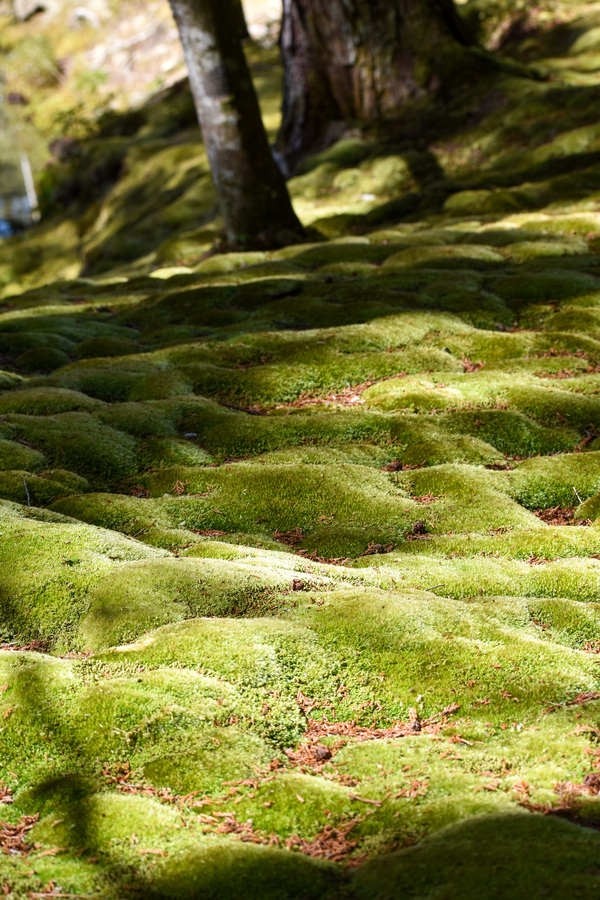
[300,550]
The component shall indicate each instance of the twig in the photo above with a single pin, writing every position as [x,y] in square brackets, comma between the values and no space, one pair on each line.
[365,800]
[27,492]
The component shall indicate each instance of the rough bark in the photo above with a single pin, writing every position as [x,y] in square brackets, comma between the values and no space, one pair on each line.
[363,61]
[252,191]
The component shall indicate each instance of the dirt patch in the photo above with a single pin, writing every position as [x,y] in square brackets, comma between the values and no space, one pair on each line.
[12,837]
[560,515]
[289,538]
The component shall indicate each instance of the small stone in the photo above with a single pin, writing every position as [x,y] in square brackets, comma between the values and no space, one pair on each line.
[413,720]
[394,466]
[322,752]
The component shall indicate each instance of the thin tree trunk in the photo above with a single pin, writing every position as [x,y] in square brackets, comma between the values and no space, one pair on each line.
[252,191]
[362,61]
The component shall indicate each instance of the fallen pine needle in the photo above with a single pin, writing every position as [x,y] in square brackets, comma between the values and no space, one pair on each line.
[51,852]
[365,800]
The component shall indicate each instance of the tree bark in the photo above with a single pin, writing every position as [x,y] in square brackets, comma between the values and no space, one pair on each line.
[362,61]
[252,191]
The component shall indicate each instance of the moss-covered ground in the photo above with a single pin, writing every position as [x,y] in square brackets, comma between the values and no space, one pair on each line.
[300,550]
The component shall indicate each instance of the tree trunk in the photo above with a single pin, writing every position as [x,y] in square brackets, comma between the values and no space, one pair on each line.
[362,61]
[239,18]
[252,191]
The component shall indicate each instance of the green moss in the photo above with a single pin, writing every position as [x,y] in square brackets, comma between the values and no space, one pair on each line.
[590,509]
[464,858]
[145,595]
[482,201]
[219,755]
[9,380]
[78,441]
[509,432]
[543,286]
[555,481]
[136,419]
[99,347]
[230,263]
[539,542]
[460,449]
[526,250]
[18,456]
[165,453]
[260,872]
[42,359]
[324,401]
[39,489]
[357,502]
[460,255]
[486,509]
[45,401]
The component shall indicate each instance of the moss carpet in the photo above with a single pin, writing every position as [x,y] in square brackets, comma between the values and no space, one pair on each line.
[300,550]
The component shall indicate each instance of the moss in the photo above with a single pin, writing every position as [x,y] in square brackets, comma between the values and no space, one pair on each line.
[230,263]
[526,250]
[533,542]
[188,248]
[98,347]
[143,596]
[556,860]
[9,380]
[450,483]
[444,257]
[509,432]
[584,321]
[482,201]
[40,489]
[58,561]
[41,359]
[78,441]
[220,755]
[45,401]
[18,456]
[235,498]
[322,402]
[460,449]
[165,453]
[542,286]
[555,481]
[260,872]
[136,419]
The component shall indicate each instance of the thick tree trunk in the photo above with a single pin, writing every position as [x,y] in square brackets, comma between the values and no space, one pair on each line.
[252,191]
[361,60]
